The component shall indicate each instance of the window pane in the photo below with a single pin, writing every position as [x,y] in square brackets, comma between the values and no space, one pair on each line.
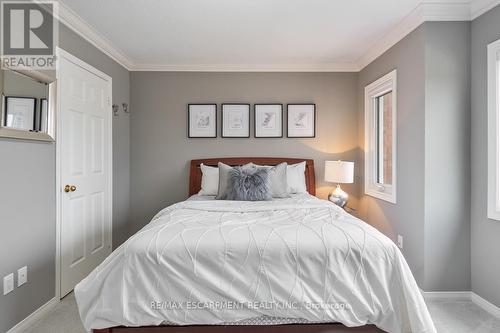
[384,138]
[380,133]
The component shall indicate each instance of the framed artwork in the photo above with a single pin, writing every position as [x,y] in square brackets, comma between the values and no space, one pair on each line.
[268,120]
[20,113]
[301,120]
[202,120]
[43,115]
[235,120]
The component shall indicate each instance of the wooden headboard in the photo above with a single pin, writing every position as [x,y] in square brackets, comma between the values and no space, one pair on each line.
[195,171]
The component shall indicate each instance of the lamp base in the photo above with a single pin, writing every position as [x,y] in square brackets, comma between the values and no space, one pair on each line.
[339,197]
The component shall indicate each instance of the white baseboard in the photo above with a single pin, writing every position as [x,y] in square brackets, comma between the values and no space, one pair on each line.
[38,313]
[447,295]
[463,296]
[485,305]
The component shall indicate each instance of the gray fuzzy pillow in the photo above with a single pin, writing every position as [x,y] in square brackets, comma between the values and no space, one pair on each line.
[246,184]
[224,179]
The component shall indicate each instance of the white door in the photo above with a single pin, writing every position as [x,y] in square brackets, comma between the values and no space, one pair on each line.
[85,140]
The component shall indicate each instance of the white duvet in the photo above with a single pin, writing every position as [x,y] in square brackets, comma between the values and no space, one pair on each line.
[213,262]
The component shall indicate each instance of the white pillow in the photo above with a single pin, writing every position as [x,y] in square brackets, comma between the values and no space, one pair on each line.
[296,178]
[209,180]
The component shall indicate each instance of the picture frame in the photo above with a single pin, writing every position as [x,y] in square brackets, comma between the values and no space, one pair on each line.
[202,120]
[20,113]
[235,120]
[268,120]
[301,120]
[44,106]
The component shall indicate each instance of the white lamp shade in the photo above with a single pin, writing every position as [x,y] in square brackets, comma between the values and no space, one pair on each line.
[339,172]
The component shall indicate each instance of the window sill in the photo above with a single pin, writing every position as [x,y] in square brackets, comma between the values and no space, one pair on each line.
[389,197]
[494,215]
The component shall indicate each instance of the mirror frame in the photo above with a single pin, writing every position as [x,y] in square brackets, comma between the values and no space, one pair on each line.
[49,136]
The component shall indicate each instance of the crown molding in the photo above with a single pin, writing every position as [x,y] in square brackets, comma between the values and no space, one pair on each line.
[461,10]
[333,67]
[453,11]
[422,13]
[479,7]
[76,23]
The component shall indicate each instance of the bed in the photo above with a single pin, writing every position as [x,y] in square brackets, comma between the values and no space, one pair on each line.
[288,265]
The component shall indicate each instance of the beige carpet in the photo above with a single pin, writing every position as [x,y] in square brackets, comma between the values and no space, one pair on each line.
[449,317]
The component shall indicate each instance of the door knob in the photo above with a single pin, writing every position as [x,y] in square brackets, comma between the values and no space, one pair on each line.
[69,188]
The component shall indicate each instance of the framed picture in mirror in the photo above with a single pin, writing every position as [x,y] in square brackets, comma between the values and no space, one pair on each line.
[43,119]
[20,113]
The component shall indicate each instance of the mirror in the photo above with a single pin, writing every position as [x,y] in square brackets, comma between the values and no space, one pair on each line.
[27,105]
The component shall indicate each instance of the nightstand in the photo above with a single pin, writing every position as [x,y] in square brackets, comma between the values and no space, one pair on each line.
[350,210]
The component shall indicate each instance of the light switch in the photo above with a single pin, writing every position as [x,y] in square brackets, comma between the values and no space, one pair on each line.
[8,283]
[22,276]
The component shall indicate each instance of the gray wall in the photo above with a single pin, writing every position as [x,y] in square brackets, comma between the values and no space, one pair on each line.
[485,232]
[433,152]
[447,156]
[407,216]
[161,151]
[27,193]
[27,216]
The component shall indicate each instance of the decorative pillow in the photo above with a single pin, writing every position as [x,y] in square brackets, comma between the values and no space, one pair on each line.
[209,180]
[249,185]
[246,183]
[224,170]
[277,179]
[296,178]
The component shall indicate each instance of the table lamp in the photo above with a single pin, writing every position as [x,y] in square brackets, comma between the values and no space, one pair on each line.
[340,172]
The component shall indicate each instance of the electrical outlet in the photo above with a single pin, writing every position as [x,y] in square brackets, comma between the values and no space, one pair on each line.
[400,242]
[8,283]
[22,276]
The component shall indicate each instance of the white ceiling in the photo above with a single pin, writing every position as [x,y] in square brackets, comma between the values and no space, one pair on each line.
[252,34]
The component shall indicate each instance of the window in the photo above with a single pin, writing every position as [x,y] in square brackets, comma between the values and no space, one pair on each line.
[494,130]
[380,138]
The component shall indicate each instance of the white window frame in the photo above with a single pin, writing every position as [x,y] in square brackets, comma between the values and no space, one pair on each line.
[494,130]
[382,86]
